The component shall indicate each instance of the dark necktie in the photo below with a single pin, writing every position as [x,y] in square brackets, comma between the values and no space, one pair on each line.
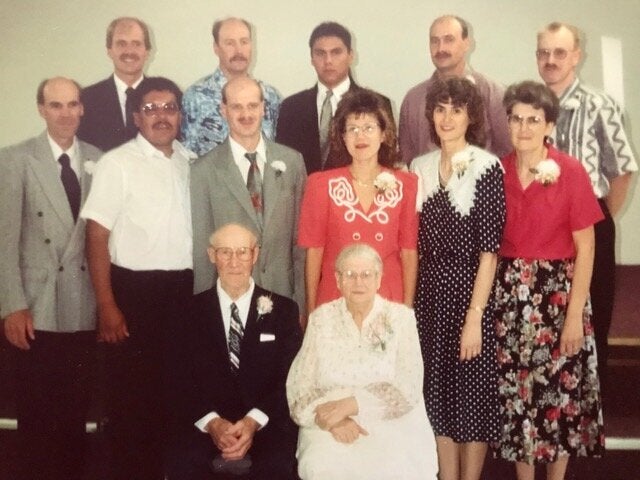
[128,111]
[254,185]
[236,331]
[325,123]
[71,185]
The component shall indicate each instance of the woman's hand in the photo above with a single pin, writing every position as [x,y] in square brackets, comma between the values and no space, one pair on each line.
[572,337]
[329,414]
[471,336]
[347,431]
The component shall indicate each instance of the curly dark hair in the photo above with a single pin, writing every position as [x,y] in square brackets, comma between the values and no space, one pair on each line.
[536,94]
[360,102]
[459,92]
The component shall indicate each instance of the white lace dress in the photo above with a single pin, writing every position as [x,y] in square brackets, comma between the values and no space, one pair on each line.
[381,366]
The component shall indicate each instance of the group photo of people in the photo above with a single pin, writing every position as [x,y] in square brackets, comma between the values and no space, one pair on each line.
[332,284]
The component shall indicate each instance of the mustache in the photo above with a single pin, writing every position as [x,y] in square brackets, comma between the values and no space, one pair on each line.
[238,57]
[550,66]
[443,55]
[161,123]
[129,56]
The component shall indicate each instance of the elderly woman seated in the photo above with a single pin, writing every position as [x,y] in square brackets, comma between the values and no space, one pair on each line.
[355,387]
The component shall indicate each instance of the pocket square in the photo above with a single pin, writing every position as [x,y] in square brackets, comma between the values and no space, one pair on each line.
[267,337]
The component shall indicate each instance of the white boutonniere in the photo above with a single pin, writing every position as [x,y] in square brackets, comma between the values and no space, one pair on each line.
[380,331]
[265,305]
[89,167]
[460,162]
[546,172]
[279,166]
[385,181]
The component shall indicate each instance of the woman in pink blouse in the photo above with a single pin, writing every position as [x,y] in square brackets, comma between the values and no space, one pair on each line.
[364,199]
[549,388]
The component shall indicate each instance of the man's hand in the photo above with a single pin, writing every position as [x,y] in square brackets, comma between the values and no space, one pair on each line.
[243,431]
[18,328]
[218,429]
[331,413]
[347,431]
[112,327]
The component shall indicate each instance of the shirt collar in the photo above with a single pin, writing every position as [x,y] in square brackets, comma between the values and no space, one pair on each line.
[569,91]
[243,302]
[238,151]
[121,87]
[178,149]
[338,91]
[56,150]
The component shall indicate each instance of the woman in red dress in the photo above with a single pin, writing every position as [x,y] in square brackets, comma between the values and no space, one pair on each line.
[364,199]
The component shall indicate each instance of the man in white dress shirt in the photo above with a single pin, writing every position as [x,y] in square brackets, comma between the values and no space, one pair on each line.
[139,251]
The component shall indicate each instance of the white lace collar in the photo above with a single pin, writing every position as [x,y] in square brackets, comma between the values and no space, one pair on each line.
[461,186]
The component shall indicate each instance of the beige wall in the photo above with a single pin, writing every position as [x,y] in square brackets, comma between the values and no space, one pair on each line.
[42,38]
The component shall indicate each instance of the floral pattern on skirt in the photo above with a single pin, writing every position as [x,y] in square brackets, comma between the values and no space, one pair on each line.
[549,403]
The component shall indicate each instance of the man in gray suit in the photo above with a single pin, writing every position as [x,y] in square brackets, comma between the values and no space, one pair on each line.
[46,299]
[254,182]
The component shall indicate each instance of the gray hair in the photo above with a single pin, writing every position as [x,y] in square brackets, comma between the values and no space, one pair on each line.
[359,250]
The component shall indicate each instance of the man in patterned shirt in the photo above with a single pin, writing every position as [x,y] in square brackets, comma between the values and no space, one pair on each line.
[590,128]
[203,126]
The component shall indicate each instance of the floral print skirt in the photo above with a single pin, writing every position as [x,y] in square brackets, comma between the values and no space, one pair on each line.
[549,403]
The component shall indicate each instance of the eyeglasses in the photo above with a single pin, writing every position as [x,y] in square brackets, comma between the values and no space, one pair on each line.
[366,130]
[352,275]
[155,109]
[518,120]
[545,53]
[244,254]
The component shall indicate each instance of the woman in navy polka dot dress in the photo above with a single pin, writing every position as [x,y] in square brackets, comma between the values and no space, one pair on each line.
[460,229]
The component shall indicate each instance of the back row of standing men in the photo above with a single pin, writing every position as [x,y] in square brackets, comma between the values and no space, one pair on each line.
[45,290]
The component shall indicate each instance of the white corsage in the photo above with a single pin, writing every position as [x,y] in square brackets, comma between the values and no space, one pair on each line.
[460,162]
[279,166]
[380,331]
[265,305]
[385,181]
[89,167]
[546,172]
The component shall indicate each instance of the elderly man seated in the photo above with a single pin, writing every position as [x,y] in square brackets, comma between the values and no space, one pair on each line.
[242,342]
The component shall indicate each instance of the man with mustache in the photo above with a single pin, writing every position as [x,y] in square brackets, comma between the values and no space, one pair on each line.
[107,122]
[203,126]
[449,43]
[590,127]
[139,254]
[257,183]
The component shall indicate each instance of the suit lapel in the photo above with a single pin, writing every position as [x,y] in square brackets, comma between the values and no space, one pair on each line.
[45,170]
[272,184]
[114,105]
[232,179]
[213,315]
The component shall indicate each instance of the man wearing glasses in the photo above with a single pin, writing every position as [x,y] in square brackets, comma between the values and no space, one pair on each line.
[449,43]
[257,183]
[139,253]
[590,128]
[243,339]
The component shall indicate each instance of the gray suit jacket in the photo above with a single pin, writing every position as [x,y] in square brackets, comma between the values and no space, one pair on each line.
[219,196]
[42,261]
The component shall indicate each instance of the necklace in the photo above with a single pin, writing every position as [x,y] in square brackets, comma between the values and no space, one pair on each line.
[361,183]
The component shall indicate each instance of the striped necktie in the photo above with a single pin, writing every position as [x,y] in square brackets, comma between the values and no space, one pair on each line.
[236,331]
[254,185]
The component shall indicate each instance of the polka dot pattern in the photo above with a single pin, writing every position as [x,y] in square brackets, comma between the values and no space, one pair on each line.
[461,397]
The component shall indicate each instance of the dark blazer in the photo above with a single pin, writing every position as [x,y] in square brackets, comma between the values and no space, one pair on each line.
[260,382]
[298,125]
[102,124]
